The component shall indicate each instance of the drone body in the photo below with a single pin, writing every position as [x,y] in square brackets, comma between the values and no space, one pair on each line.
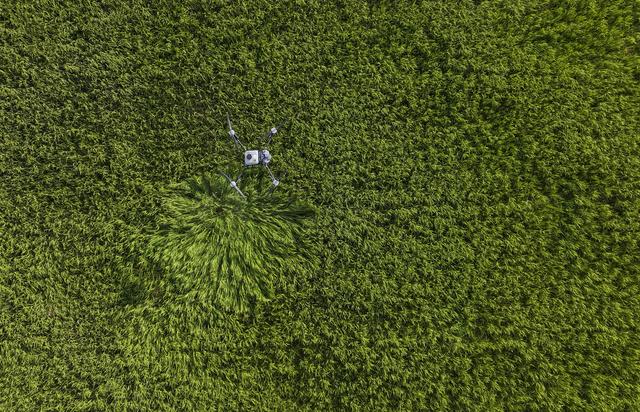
[256,157]
[252,158]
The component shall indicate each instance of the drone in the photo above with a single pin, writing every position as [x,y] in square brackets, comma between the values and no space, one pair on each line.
[253,157]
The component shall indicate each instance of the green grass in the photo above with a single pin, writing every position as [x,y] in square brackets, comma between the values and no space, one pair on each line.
[474,168]
[223,249]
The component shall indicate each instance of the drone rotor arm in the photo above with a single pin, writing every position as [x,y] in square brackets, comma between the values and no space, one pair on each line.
[273,178]
[274,182]
[239,143]
[233,184]
[239,191]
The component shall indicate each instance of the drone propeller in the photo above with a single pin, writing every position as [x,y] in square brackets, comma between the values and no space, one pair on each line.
[273,131]
[234,183]
[275,182]
[232,133]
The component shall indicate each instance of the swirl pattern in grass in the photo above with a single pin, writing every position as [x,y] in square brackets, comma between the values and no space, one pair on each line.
[226,248]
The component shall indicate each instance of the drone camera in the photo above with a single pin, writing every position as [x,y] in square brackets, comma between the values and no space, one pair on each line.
[251,157]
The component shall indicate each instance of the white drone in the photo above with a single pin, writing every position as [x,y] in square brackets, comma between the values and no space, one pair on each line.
[252,157]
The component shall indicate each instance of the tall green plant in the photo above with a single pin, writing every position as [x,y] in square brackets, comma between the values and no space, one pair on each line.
[225,248]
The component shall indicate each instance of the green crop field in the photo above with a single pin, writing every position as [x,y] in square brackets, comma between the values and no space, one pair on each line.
[466,234]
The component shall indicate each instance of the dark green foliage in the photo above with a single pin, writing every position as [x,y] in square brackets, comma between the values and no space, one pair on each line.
[225,248]
[474,165]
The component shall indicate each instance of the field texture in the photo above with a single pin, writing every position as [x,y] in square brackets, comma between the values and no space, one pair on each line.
[474,169]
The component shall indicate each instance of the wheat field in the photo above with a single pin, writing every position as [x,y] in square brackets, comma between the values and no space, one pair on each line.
[467,229]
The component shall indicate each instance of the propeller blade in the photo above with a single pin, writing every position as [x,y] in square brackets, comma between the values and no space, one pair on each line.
[285,121]
[275,183]
[233,184]
[269,134]
[232,133]
[273,187]
[274,130]
[225,175]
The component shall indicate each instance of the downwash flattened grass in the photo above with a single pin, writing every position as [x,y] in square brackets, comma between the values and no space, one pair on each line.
[474,166]
[226,248]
